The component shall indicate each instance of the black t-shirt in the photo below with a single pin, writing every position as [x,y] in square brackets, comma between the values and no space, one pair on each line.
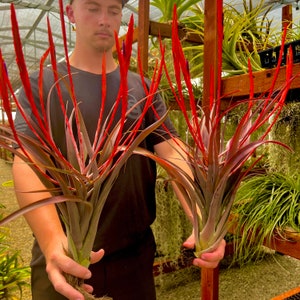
[130,207]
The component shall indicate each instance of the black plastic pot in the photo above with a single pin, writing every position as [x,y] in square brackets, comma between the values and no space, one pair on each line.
[266,58]
[269,57]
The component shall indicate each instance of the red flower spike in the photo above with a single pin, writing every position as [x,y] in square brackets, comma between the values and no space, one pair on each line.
[21,64]
[97,144]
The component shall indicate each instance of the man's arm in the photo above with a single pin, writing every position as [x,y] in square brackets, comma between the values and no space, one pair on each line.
[48,231]
[173,150]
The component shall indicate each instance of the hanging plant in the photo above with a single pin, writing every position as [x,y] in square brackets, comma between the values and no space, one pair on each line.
[265,205]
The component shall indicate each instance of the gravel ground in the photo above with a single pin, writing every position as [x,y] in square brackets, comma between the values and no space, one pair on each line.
[258,281]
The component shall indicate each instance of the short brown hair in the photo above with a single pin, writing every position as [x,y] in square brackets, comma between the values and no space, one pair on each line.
[123,2]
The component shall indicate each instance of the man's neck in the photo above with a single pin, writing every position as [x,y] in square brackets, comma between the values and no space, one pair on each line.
[92,63]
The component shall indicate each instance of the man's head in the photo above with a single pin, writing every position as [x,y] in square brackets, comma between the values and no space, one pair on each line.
[96,23]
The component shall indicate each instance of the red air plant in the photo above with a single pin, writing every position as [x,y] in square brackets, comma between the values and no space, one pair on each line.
[81,180]
[217,165]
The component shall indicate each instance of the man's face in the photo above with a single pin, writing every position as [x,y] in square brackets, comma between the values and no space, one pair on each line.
[96,21]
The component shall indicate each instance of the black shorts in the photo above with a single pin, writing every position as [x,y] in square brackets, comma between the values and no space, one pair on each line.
[125,275]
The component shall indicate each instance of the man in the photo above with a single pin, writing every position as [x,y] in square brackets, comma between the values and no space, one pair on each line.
[125,271]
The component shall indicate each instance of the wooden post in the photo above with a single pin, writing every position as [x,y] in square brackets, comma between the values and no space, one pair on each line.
[143,32]
[287,15]
[210,277]
[210,284]
[210,52]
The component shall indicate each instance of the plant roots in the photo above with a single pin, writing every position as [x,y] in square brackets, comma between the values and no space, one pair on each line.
[77,284]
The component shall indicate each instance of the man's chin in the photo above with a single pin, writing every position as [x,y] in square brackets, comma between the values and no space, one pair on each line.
[104,48]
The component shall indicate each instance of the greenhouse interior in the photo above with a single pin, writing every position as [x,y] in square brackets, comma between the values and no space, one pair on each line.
[205,105]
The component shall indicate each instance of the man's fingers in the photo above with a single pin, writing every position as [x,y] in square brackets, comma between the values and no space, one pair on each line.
[61,286]
[69,266]
[208,259]
[88,288]
[96,256]
[211,259]
[198,262]
[60,265]
[190,242]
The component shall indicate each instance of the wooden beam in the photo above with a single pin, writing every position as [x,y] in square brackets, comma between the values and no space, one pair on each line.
[164,30]
[184,260]
[143,32]
[237,86]
[210,284]
[287,15]
[291,294]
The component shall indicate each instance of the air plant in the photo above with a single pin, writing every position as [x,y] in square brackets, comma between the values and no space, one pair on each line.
[217,165]
[266,205]
[166,7]
[81,180]
[245,33]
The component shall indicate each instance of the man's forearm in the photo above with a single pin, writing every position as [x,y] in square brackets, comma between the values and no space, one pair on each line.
[173,151]
[43,221]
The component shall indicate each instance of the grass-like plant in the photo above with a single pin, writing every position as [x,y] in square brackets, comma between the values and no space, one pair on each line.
[13,275]
[245,33]
[265,205]
[81,181]
[166,7]
[217,164]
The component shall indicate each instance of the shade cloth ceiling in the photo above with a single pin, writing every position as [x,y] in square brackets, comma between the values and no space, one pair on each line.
[33,28]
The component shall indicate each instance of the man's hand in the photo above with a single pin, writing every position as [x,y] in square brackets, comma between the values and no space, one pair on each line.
[60,264]
[209,259]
